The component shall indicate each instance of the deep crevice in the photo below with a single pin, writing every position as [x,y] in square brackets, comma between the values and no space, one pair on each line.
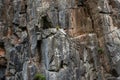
[61,65]
[105,12]
[39,42]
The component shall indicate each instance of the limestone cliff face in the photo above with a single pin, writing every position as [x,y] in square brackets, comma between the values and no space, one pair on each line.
[60,39]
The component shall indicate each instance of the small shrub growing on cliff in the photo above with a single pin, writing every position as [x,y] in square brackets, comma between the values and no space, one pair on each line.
[100,50]
[57,27]
[39,76]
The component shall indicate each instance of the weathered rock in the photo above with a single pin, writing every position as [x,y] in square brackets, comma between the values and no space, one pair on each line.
[57,58]
[61,39]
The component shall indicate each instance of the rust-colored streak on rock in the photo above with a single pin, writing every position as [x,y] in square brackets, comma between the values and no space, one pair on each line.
[2,52]
[3,60]
[80,21]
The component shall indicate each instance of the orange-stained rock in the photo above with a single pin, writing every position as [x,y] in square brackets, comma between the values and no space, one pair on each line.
[2,52]
[80,21]
[3,60]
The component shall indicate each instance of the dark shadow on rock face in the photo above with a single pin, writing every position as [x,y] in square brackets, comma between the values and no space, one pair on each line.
[39,49]
[114,73]
[1,44]
[3,78]
[2,72]
[46,22]
[3,61]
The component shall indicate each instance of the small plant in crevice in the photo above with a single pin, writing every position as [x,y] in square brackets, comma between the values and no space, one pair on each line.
[39,76]
[100,50]
[57,27]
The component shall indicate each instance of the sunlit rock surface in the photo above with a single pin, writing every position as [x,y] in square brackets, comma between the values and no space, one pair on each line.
[60,39]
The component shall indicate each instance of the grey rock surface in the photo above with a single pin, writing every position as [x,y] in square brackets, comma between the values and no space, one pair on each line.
[60,39]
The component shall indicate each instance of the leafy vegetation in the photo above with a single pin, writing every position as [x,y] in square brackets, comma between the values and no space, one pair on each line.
[39,76]
[100,50]
[57,27]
